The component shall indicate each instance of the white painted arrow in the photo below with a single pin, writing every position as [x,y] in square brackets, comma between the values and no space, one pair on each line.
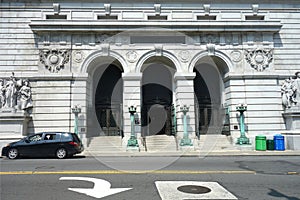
[102,188]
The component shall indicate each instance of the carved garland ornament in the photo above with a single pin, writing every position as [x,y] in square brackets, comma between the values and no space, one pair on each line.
[54,59]
[259,59]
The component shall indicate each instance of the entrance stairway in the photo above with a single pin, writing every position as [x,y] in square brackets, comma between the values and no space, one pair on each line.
[160,143]
[214,142]
[112,145]
[105,144]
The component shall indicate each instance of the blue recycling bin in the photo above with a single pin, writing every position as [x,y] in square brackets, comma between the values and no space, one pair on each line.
[279,142]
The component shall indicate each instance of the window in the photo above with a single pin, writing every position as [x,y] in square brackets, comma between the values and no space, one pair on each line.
[56,16]
[107,17]
[255,17]
[50,137]
[157,17]
[35,138]
[66,137]
[206,17]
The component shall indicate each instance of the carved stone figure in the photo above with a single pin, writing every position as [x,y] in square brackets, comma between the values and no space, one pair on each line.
[25,95]
[288,93]
[11,92]
[296,88]
[15,94]
[2,93]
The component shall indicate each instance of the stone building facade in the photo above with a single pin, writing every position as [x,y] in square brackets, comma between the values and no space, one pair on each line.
[107,56]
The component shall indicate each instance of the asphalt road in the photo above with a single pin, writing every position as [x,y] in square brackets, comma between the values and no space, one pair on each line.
[248,177]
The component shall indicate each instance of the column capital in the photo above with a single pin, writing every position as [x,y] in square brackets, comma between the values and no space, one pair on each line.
[132,76]
[184,76]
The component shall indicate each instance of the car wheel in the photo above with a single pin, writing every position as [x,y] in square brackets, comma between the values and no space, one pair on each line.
[61,153]
[12,153]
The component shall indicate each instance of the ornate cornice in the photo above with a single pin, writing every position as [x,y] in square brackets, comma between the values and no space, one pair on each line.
[123,25]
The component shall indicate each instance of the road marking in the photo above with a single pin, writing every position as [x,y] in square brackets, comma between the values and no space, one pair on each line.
[102,188]
[126,172]
[168,190]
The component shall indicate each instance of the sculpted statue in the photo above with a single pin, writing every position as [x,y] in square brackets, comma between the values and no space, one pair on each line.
[296,86]
[290,90]
[15,93]
[2,93]
[11,92]
[25,95]
[288,94]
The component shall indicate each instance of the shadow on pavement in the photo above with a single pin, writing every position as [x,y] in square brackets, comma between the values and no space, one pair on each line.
[275,193]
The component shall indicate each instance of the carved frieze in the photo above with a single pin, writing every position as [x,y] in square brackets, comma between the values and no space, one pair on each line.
[259,59]
[15,94]
[210,38]
[54,59]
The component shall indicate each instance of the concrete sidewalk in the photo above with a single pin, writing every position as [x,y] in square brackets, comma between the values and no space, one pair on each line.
[194,153]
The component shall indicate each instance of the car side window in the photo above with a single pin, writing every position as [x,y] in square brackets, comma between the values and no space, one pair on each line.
[35,138]
[50,137]
[65,137]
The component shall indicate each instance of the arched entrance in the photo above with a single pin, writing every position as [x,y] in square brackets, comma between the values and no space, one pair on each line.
[108,101]
[209,103]
[157,97]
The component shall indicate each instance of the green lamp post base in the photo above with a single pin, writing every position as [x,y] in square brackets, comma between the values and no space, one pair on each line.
[243,140]
[186,142]
[132,142]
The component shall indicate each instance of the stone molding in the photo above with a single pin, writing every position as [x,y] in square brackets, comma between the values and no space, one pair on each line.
[122,25]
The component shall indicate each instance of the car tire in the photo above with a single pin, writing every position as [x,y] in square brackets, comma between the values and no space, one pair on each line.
[12,153]
[61,153]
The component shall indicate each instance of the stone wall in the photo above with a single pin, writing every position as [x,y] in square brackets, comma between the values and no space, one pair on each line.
[259,43]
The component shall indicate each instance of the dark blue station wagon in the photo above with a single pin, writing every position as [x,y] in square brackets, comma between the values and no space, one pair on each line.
[45,144]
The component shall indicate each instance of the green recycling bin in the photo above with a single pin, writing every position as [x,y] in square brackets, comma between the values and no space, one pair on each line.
[261,143]
[270,145]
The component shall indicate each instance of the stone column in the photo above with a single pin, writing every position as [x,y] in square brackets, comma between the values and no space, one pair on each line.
[131,97]
[184,93]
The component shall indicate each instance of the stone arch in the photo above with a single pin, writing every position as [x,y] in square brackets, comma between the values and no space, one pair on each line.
[217,54]
[153,53]
[91,62]
[95,66]
[209,90]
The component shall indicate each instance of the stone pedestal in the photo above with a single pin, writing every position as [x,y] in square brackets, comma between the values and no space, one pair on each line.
[13,124]
[292,118]
[292,121]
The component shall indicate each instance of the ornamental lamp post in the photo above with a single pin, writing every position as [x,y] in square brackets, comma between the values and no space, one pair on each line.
[76,110]
[185,141]
[242,139]
[132,142]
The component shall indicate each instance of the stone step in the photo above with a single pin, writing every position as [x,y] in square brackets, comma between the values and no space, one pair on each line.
[215,142]
[105,144]
[160,143]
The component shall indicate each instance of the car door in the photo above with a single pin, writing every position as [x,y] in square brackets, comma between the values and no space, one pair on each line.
[32,145]
[51,143]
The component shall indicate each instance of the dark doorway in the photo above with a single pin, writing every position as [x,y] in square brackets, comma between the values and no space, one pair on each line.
[157,100]
[208,109]
[108,101]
